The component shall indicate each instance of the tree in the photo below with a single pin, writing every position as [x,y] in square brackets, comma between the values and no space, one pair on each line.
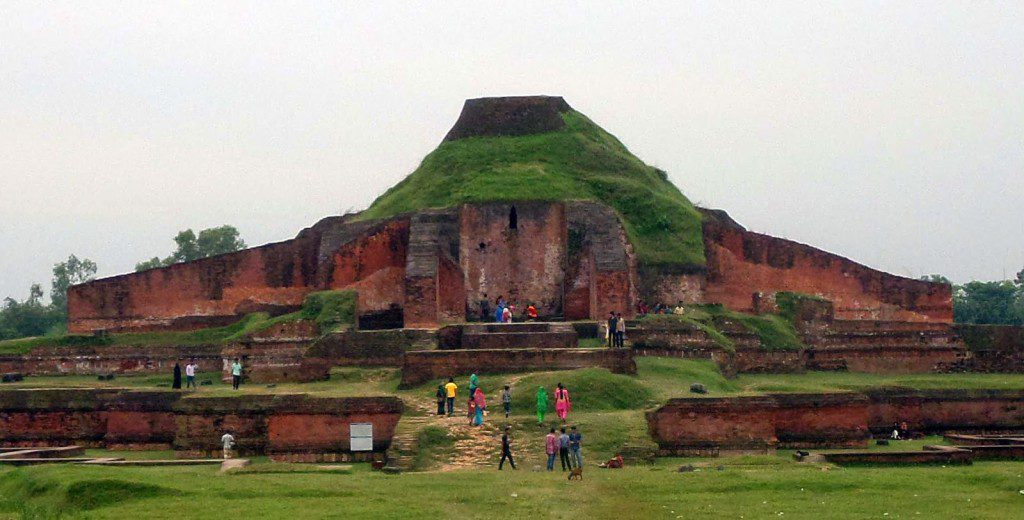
[988,303]
[65,274]
[27,318]
[209,242]
[936,278]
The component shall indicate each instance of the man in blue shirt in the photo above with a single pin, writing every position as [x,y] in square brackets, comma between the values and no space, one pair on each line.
[574,447]
[563,450]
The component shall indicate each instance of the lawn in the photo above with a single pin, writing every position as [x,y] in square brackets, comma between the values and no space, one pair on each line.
[734,487]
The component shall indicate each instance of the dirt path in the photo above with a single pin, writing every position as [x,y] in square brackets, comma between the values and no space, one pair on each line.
[480,446]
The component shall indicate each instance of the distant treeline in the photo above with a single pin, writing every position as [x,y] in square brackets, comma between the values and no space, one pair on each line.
[987,303]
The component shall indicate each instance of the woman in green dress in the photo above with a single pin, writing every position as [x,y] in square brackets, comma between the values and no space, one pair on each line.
[542,404]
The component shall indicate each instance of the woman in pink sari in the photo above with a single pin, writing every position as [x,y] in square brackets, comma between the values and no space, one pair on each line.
[562,403]
[481,404]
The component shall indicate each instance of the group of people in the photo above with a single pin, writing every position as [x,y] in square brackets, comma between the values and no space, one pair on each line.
[660,308]
[615,330]
[190,374]
[193,366]
[505,311]
[566,446]
[476,403]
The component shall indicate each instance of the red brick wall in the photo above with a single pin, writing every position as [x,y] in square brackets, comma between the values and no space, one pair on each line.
[260,423]
[374,265]
[708,425]
[274,275]
[526,264]
[116,359]
[741,263]
[420,367]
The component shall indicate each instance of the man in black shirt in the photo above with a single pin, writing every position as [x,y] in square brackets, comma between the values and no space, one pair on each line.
[506,449]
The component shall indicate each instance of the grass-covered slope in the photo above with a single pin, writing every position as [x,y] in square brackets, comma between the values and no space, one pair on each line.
[581,161]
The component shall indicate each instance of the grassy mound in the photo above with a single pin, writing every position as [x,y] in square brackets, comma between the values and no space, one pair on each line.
[591,389]
[32,494]
[581,161]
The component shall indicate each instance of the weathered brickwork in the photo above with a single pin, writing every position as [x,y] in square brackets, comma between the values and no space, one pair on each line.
[420,367]
[742,263]
[569,259]
[708,426]
[262,424]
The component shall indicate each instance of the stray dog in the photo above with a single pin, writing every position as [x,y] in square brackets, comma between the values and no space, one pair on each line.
[576,472]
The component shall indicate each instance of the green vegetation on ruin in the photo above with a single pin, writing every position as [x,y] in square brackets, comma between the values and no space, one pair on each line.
[775,331]
[581,161]
[330,310]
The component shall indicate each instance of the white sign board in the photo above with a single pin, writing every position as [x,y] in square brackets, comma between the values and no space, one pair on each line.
[361,436]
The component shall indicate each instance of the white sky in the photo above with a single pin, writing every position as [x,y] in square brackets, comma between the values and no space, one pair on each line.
[891,132]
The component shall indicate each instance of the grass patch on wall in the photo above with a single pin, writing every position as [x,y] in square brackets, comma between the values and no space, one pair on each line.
[775,332]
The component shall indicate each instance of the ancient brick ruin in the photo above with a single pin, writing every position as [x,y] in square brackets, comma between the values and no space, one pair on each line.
[571,259]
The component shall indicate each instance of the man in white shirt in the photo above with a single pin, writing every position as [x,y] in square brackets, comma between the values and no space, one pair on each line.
[190,374]
[228,441]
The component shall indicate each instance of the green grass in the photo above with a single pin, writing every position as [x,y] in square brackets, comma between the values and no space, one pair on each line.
[744,487]
[581,161]
[775,332]
[330,310]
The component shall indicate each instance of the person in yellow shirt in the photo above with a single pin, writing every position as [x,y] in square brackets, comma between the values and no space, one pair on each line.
[450,389]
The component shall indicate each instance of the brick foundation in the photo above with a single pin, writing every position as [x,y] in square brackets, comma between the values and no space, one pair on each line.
[421,367]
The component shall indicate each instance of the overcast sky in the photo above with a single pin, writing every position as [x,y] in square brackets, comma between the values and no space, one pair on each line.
[891,132]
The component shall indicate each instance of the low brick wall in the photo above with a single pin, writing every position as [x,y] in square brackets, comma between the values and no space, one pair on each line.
[313,428]
[272,361]
[423,366]
[372,348]
[118,359]
[511,340]
[706,426]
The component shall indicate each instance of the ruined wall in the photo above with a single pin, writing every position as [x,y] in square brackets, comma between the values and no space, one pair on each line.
[420,367]
[275,277]
[112,359]
[741,263]
[262,424]
[372,348]
[706,426]
[374,265]
[275,361]
[601,273]
[994,348]
[525,264]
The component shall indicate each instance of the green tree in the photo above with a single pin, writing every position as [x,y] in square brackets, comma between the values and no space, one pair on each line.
[209,242]
[65,274]
[936,278]
[27,318]
[988,303]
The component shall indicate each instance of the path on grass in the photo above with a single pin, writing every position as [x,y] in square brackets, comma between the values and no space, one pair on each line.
[480,446]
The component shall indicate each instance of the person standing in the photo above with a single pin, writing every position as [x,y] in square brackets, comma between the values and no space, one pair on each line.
[228,441]
[176,382]
[506,400]
[574,447]
[450,389]
[190,374]
[609,330]
[499,311]
[551,448]
[562,403]
[236,374]
[620,330]
[481,405]
[563,450]
[506,448]
[531,312]
[506,315]
[441,396]
[542,404]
